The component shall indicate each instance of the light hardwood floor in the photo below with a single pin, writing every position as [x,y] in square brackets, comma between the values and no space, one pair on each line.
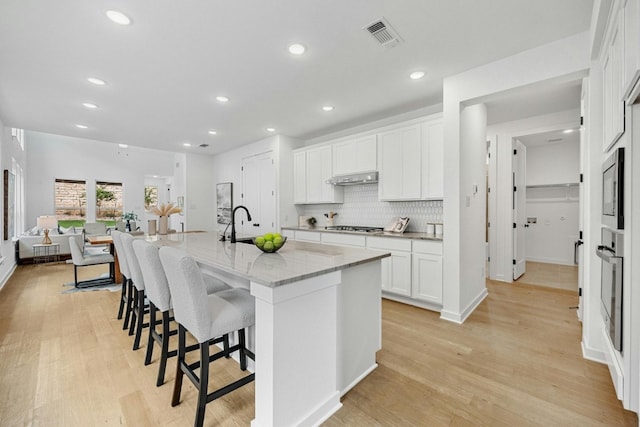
[65,361]
[551,275]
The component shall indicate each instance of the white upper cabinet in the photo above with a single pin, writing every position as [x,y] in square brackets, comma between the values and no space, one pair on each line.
[613,71]
[400,164]
[433,159]
[355,156]
[312,167]
[412,161]
[631,13]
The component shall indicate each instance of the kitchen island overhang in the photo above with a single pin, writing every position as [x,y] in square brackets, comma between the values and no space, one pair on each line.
[318,320]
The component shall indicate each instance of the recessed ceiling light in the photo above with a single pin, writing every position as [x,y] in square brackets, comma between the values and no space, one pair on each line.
[155,176]
[96,81]
[222,98]
[90,105]
[416,75]
[123,145]
[271,129]
[82,126]
[186,144]
[118,17]
[567,131]
[213,132]
[327,107]
[297,49]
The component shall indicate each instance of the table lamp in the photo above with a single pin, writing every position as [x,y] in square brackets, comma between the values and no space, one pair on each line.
[47,223]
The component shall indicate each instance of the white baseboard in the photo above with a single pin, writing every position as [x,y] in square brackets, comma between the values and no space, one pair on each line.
[593,354]
[461,317]
[552,261]
[7,275]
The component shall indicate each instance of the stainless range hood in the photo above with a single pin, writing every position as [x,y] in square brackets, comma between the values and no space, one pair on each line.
[354,179]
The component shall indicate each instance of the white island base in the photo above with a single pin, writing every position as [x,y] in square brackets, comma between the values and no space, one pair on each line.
[314,340]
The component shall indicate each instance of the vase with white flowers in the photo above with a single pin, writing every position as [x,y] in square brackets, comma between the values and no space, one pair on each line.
[163,211]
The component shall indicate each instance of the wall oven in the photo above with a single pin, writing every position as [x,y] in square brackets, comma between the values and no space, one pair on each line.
[611,292]
[613,190]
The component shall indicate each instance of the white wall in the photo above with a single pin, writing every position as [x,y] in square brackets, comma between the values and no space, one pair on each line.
[552,237]
[226,168]
[54,156]
[562,60]
[200,194]
[557,163]
[9,150]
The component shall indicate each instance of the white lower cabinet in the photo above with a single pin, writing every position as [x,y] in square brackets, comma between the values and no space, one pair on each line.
[343,239]
[396,269]
[427,271]
[307,236]
[427,277]
[413,272]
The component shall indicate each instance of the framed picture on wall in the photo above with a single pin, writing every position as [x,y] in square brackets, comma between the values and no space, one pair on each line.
[224,199]
[9,194]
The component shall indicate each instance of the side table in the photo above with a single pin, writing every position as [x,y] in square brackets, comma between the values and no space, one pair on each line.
[46,253]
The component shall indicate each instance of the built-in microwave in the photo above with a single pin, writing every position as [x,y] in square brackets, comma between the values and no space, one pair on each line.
[613,190]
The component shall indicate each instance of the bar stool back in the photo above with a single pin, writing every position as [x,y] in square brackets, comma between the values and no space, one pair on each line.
[137,314]
[126,296]
[206,317]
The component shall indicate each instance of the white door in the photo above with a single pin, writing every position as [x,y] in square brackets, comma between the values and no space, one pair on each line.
[258,195]
[519,207]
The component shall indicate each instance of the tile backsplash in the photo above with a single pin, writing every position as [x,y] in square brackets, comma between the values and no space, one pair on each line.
[362,207]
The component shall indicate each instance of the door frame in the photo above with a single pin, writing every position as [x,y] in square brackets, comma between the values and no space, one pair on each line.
[501,248]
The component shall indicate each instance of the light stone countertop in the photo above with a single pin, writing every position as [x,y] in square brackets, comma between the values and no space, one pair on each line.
[417,236]
[293,262]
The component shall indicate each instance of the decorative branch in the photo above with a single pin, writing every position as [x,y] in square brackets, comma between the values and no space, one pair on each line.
[166,210]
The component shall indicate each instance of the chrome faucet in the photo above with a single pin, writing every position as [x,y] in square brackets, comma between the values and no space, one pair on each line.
[233,221]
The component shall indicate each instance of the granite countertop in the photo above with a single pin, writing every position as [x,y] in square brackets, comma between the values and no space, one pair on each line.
[410,235]
[294,261]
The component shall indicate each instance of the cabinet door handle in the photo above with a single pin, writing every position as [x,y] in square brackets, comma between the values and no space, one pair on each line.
[256,225]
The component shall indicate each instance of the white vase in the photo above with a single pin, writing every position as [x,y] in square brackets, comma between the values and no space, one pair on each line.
[163,224]
[152,227]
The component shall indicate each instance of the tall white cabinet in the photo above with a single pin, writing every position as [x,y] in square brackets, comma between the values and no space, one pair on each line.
[411,161]
[400,163]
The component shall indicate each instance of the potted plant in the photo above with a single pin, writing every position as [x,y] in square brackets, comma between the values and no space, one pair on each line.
[129,216]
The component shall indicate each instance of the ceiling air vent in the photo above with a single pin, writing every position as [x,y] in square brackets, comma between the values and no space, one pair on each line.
[204,145]
[554,140]
[384,34]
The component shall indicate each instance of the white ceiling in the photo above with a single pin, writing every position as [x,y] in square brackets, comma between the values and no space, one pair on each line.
[165,70]
[552,137]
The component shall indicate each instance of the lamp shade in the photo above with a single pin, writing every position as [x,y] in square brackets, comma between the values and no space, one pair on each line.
[47,222]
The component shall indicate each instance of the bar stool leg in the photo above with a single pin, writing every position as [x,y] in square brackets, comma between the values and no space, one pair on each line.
[203,383]
[177,384]
[243,355]
[123,298]
[139,319]
[130,297]
[152,328]
[164,353]
[134,311]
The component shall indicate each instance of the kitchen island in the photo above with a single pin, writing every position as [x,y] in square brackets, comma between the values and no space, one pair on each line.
[318,320]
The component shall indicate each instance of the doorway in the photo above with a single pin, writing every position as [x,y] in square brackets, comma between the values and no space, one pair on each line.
[547,212]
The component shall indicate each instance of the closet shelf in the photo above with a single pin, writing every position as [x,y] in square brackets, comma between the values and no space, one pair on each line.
[569,184]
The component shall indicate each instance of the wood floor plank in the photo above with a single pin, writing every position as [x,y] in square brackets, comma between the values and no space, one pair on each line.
[65,361]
